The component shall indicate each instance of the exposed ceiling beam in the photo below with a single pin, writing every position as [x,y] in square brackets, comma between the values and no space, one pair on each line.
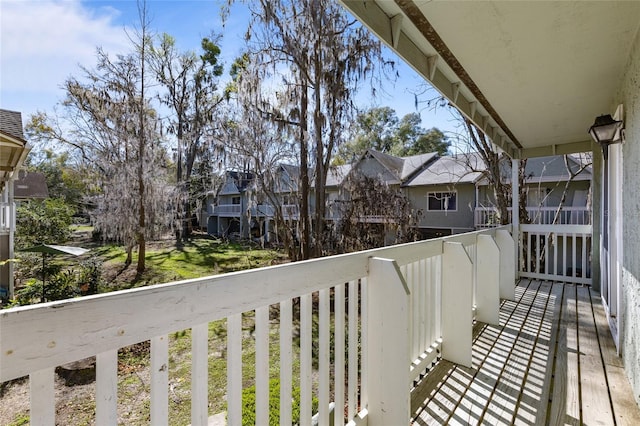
[559,149]
[420,21]
[386,29]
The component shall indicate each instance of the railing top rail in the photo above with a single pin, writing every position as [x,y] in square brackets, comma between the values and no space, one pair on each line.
[557,228]
[541,208]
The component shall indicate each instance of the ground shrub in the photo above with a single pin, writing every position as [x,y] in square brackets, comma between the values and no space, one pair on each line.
[249,404]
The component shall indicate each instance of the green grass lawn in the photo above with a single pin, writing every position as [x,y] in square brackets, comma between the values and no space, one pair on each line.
[197,258]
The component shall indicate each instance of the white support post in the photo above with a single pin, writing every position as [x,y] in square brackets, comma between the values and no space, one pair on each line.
[234,370]
[507,266]
[286,356]
[388,344]
[515,208]
[199,374]
[488,280]
[160,380]
[457,297]
[43,403]
[107,388]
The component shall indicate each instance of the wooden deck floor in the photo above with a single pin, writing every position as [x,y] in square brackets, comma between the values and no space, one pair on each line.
[552,361]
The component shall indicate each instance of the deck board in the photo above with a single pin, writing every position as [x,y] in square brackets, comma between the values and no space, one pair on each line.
[551,361]
[572,367]
[625,409]
[596,406]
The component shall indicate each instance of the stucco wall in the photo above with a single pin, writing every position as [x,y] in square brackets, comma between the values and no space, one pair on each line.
[629,96]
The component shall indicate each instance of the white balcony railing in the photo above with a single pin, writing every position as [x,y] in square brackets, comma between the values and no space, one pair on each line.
[390,311]
[235,210]
[486,217]
[556,252]
[227,210]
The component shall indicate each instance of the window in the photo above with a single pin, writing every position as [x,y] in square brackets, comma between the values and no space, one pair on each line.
[235,200]
[442,201]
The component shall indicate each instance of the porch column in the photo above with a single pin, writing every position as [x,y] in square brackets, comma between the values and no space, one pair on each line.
[515,210]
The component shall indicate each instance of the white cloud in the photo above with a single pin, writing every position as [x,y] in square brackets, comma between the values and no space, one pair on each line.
[44,41]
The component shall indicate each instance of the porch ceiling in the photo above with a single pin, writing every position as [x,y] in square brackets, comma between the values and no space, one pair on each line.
[534,75]
[12,154]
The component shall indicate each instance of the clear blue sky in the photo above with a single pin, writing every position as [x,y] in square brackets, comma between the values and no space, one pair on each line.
[43,42]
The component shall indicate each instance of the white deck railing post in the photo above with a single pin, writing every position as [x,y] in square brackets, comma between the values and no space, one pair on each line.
[43,403]
[107,388]
[507,264]
[388,344]
[457,297]
[488,280]
[160,380]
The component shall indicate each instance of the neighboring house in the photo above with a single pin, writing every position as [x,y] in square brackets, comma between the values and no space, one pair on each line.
[446,194]
[13,151]
[334,189]
[285,191]
[450,194]
[228,209]
[388,169]
[30,186]
[547,182]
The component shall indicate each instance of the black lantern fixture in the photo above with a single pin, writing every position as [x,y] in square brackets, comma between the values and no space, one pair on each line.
[604,129]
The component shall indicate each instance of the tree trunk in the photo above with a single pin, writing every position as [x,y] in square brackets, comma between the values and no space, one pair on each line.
[304,176]
[319,155]
[142,10]
[179,204]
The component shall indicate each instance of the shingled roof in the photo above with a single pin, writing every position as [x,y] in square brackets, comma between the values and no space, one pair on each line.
[13,146]
[11,123]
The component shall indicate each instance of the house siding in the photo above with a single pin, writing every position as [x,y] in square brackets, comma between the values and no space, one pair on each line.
[460,219]
[370,167]
[629,96]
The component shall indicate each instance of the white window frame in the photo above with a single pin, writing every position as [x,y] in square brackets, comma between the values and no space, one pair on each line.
[442,192]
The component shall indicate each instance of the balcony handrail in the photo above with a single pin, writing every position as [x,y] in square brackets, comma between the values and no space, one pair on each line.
[486,216]
[227,208]
[559,252]
[38,338]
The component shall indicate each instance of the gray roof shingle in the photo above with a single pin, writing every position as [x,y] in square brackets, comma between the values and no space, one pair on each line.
[11,123]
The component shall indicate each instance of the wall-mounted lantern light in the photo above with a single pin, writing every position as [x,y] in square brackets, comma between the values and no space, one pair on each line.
[605,131]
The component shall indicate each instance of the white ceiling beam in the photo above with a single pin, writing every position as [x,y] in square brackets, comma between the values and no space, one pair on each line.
[455,87]
[425,64]
[557,149]
[396,29]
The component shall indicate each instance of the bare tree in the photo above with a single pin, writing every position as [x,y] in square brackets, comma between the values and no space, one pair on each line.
[114,131]
[373,214]
[189,82]
[493,166]
[314,57]
[260,144]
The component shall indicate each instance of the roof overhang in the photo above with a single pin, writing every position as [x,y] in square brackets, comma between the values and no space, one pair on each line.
[533,75]
[13,152]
